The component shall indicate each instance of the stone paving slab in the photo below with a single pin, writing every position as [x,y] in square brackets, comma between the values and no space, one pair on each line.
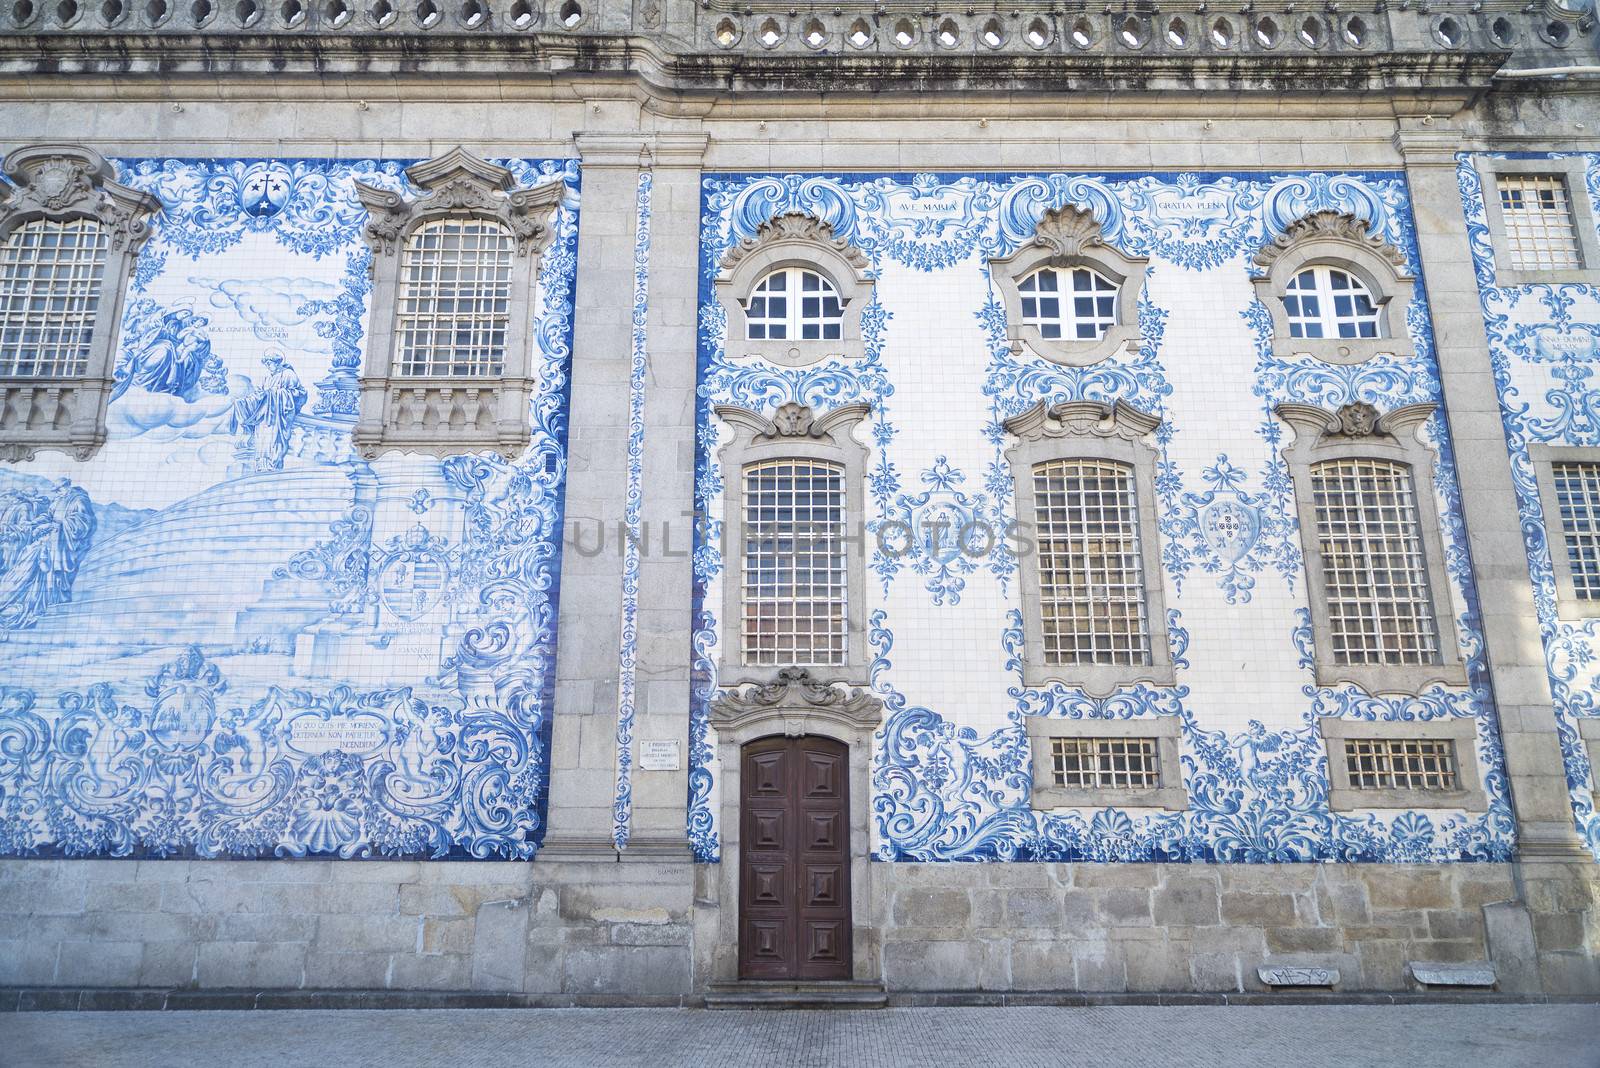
[1435,1036]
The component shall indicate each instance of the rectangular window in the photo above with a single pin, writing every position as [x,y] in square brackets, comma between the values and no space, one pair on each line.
[1380,609]
[1401,764]
[1577,487]
[455,299]
[794,563]
[50,274]
[1091,572]
[1539,229]
[1106,763]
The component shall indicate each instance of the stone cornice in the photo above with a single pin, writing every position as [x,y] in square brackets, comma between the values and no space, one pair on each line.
[665,70]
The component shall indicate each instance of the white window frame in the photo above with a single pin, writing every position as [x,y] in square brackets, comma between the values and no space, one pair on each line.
[1328,239]
[793,240]
[1327,295]
[1571,171]
[1544,458]
[1070,237]
[1067,298]
[794,295]
[446,415]
[61,184]
[1358,432]
[1092,431]
[793,432]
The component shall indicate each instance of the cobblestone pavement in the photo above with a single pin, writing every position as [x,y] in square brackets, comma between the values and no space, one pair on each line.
[1471,1036]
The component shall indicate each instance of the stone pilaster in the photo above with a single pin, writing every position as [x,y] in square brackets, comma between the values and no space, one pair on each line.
[1555,872]
[583,740]
[665,566]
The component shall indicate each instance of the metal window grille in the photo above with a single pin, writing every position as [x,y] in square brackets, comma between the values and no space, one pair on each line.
[1540,232]
[794,563]
[1074,303]
[1106,763]
[1091,573]
[455,299]
[794,303]
[1401,763]
[49,293]
[1380,610]
[1578,493]
[1328,302]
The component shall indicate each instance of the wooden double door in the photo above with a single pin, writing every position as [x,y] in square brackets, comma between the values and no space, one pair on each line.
[794,859]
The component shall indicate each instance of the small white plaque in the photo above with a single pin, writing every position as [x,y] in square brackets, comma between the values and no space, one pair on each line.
[1298,976]
[659,754]
[1431,973]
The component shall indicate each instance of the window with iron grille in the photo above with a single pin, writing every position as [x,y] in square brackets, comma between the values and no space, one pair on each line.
[1540,233]
[1401,764]
[1074,303]
[50,281]
[454,299]
[793,302]
[1091,573]
[1577,486]
[1380,607]
[1327,302]
[794,577]
[1106,763]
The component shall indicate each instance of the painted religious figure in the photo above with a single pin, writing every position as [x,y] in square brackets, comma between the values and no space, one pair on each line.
[171,354]
[263,419]
[43,539]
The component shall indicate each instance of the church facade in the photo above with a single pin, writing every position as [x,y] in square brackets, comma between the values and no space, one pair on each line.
[657,502]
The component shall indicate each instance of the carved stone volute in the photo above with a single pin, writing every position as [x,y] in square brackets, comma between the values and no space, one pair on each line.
[1328,225]
[67,182]
[799,228]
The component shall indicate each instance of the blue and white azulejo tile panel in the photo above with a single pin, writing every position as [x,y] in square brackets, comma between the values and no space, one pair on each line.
[228,635]
[1544,347]
[950,769]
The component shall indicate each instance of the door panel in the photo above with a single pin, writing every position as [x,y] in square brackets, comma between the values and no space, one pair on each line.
[794,860]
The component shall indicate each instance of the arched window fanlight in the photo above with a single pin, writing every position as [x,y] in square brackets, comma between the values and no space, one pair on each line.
[794,303]
[1072,303]
[1324,301]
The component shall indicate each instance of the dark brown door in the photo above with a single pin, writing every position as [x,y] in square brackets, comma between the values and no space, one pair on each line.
[794,860]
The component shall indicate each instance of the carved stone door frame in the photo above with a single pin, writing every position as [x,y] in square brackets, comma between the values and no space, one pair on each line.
[793,705]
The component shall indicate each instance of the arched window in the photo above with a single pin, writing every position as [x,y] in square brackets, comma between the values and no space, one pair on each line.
[794,563]
[1093,607]
[1376,583]
[794,579]
[1334,290]
[1324,301]
[454,283]
[50,275]
[1375,575]
[69,236]
[1091,573]
[793,294]
[455,299]
[1076,303]
[794,303]
[1069,297]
